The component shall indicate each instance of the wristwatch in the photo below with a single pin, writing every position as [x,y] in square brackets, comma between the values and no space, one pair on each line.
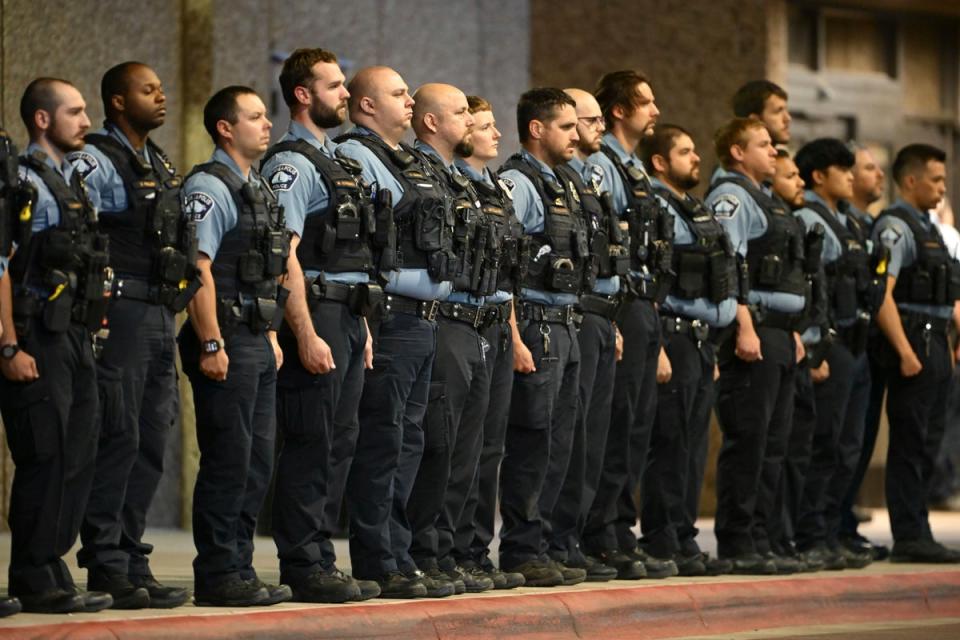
[7,351]
[212,346]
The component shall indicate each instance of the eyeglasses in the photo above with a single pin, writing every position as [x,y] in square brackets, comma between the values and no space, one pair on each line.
[592,121]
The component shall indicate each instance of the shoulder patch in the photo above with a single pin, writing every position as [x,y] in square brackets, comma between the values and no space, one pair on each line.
[198,204]
[596,176]
[284,177]
[726,206]
[891,235]
[508,186]
[84,163]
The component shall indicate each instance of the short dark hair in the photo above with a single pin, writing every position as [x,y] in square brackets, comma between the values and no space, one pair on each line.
[223,106]
[820,155]
[618,89]
[914,157]
[476,103]
[41,93]
[298,70]
[660,143]
[751,97]
[539,104]
[115,82]
[733,132]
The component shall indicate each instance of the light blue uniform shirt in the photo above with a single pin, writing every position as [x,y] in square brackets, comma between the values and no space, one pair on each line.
[896,236]
[594,176]
[529,209]
[208,201]
[614,182]
[487,178]
[744,220]
[104,184]
[413,283]
[303,191]
[715,315]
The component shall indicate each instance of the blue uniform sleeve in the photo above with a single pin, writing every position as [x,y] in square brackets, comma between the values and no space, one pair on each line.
[526,202]
[207,200]
[104,185]
[294,179]
[897,237]
[375,174]
[730,206]
[612,181]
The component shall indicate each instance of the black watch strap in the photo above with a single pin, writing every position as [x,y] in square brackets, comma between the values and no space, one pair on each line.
[7,351]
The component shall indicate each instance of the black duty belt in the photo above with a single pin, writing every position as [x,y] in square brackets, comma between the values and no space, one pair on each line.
[641,287]
[696,330]
[467,313]
[134,289]
[563,314]
[774,319]
[605,306]
[362,298]
[426,309]
[914,321]
[332,291]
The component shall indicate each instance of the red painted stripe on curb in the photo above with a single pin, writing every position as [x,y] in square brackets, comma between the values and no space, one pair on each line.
[649,611]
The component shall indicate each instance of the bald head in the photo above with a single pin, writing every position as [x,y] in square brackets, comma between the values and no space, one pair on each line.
[381,102]
[442,119]
[590,126]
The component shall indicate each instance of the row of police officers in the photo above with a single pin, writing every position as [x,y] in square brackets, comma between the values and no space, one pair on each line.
[425,338]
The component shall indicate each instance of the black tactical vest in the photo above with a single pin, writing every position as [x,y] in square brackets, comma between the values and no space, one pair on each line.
[651,225]
[934,277]
[69,260]
[474,241]
[424,217]
[254,252]
[339,238]
[775,259]
[513,245]
[16,196]
[560,254]
[706,268]
[851,281]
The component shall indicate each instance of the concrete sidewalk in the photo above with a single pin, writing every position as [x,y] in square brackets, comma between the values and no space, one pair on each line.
[666,608]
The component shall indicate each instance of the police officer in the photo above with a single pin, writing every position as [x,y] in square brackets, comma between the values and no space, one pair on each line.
[51,298]
[854,295]
[474,530]
[544,402]
[868,187]
[137,193]
[923,283]
[630,114]
[702,300]
[787,185]
[229,348]
[766,101]
[460,381]
[757,364]
[328,210]
[15,194]
[417,269]
[600,343]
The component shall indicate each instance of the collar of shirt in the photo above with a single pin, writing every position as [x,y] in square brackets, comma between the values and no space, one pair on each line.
[114,131]
[66,167]
[810,195]
[423,147]
[627,158]
[363,131]
[221,156]
[297,131]
[544,169]
[579,166]
[472,173]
